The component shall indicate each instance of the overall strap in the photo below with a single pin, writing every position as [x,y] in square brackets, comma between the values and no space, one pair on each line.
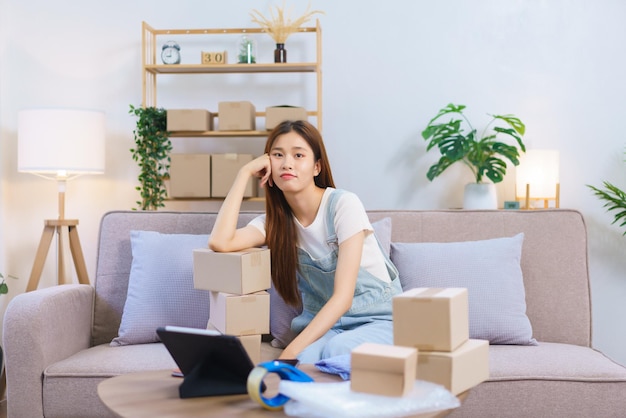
[330,215]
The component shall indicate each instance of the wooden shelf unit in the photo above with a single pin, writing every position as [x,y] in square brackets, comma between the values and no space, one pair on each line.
[151,69]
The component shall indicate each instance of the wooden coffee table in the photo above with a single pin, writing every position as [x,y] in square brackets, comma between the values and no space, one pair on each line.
[155,393]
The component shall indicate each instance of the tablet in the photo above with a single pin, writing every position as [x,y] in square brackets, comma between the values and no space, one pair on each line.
[212,364]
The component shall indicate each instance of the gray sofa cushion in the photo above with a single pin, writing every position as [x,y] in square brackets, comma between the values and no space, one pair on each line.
[491,272]
[160,288]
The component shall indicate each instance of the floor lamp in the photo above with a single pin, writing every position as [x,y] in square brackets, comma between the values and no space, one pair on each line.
[60,144]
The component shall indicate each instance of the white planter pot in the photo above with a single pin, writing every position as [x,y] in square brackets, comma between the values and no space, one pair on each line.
[480,196]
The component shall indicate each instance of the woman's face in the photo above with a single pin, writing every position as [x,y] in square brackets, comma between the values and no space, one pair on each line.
[293,163]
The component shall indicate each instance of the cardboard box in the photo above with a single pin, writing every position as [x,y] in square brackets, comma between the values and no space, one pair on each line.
[240,314]
[236,116]
[190,175]
[459,370]
[276,114]
[431,319]
[240,272]
[383,369]
[199,120]
[224,169]
[252,345]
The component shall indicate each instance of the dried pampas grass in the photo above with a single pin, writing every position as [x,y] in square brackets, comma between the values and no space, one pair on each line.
[280,26]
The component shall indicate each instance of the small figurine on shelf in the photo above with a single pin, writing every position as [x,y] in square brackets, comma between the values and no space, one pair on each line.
[247,50]
[279,27]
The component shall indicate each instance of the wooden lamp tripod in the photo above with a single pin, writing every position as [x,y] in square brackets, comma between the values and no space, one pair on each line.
[60,144]
[63,228]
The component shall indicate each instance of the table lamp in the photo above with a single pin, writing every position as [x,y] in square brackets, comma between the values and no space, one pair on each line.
[60,144]
[537,177]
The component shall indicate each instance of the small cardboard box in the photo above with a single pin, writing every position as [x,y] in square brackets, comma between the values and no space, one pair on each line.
[224,169]
[199,120]
[431,319]
[383,369]
[190,175]
[236,116]
[276,114]
[240,314]
[459,370]
[239,272]
[252,345]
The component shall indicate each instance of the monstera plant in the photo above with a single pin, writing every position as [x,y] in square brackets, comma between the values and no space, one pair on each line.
[484,154]
[458,141]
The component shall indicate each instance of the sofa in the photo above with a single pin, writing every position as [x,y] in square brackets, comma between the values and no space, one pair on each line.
[57,340]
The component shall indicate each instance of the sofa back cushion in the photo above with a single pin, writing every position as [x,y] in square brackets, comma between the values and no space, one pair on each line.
[554,259]
[114,259]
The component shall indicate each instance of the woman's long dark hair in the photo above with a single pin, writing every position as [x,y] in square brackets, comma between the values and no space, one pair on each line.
[280,225]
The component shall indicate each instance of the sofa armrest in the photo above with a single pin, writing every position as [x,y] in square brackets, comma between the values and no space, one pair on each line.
[40,328]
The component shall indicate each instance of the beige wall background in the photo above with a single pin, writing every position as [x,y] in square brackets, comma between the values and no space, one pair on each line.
[388,67]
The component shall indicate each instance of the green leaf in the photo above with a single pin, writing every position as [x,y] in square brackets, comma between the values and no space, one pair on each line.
[451,108]
[483,155]
[4,288]
[514,122]
[615,200]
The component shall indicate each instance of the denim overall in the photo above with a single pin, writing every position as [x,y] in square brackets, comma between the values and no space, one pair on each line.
[369,319]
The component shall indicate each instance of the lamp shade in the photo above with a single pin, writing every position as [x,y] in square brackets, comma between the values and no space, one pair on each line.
[61,141]
[538,168]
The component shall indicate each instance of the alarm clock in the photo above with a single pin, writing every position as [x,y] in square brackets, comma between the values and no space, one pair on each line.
[170,54]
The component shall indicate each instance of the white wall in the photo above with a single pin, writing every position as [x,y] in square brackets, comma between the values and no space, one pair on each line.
[388,67]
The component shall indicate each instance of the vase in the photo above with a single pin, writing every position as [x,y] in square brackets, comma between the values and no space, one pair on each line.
[480,196]
[280,53]
[246,50]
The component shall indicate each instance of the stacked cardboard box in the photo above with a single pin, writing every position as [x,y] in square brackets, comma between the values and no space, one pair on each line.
[274,115]
[431,342]
[239,301]
[382,369]
[190,175]
[207,175]
[224,169]
[236,116]
[436,322]
[191,120]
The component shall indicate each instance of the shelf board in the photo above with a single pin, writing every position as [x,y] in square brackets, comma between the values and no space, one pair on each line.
[298,67]
[189,134]
[207,199]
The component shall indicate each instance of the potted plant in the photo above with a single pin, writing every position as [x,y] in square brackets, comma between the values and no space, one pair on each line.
[457,141]
[614,199]
[152,152]
[4,287]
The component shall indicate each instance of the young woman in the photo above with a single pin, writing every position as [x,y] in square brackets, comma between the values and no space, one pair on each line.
[325,256]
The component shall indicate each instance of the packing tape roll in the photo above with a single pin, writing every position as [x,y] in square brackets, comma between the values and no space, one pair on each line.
[284,370]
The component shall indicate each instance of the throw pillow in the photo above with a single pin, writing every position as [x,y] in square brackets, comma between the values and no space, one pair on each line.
[282,314]
[160,287]
[382,230]
[491,272]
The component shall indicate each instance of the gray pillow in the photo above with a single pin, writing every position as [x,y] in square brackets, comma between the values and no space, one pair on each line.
[282,314]
[491,272]
[160,287]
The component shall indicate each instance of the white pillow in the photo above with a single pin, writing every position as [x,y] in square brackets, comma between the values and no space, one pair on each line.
[160,287]
[489,269]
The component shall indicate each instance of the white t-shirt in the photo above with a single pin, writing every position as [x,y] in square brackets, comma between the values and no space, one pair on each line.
[350,218]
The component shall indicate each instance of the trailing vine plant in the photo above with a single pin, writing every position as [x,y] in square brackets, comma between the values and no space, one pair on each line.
[152,152]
